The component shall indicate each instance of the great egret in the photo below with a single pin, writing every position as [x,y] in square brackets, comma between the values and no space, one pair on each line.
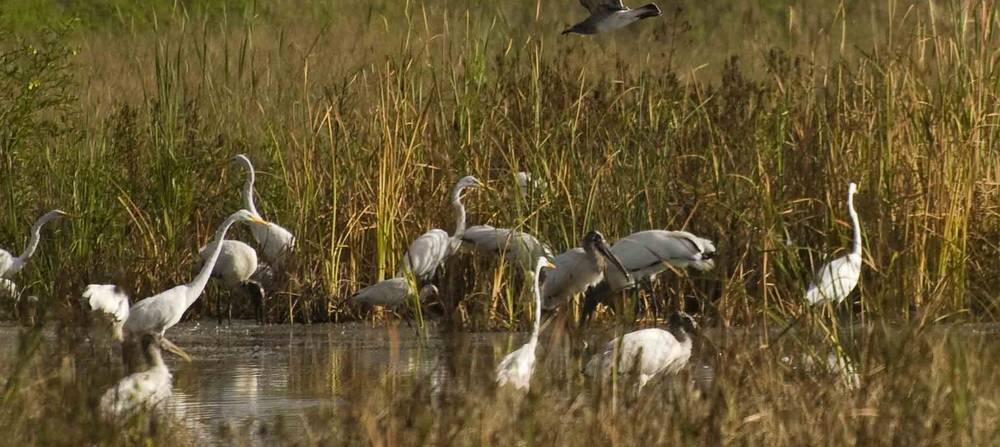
[516,368]
[392,293]
[526,184]
[145,390]
[236,266]
[10,265]
[608,15]
[646,254]
[836,280]
[112,302]
[156,314]
[275,241]
[518,247]
[428,251]
[647,352]
[577,269]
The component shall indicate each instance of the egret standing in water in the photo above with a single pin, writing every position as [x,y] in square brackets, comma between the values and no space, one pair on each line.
[275,241]
[516,368]
[836,280]
[646,254]
[647,352]
[235,267]
[428,251]
[156,314]
[577,269]
[392,293]
[110,301]
[145,390]
[9,264]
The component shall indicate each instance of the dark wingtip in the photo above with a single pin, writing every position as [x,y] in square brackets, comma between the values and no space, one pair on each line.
[650,10]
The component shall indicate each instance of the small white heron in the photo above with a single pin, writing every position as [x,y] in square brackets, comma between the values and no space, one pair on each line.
[111,302]
[836,280]
[526,184]
[144,390]
[9,264]
[516,368]
[156,314]
[275,241]
[646,254]
[518,247]
[236,267]
[392,293]
[646,352]
[427,252]
[608,15]
[577,269]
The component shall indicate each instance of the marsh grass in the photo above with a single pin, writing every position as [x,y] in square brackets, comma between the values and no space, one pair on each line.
[740,124]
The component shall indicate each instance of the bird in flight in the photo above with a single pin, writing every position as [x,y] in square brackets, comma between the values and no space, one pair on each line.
[608,15]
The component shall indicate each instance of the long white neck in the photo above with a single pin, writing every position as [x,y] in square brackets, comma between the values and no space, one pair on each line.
[197,286]
[538,305]
[248,187]
[36,236]
[856,248]
[456,202]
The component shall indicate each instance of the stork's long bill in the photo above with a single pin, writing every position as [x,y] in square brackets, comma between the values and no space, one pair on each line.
[606,251]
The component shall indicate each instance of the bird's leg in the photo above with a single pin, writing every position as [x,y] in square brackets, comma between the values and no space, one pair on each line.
[218,309]
[647,285]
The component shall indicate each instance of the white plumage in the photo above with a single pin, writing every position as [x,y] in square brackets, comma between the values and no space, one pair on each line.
[836,280]
[516,368]
[517,247]
[646,253]
[577,269]
[274,240]
[392,293]
[526,184]
[10,264]
[145,390]
[156,314]
[111,301]
[646,352]
[428,251]
[236,264]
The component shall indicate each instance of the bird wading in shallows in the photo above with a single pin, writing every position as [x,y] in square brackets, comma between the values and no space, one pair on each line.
[646,352]
[156,314]
[577,269]
[427,252]
[144,390]
[393,293]
[646,254]
[235,267]
[608,15]
[516,368]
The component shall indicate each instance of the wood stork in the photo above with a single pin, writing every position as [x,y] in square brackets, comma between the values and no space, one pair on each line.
[646,352]
[608,15]
[577,269]
[145,390]
[517,247]
[9,264]
[516,368]
[392,293]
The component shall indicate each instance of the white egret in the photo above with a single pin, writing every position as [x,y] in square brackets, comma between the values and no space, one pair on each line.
[112,302]
[516,368]
[156,314]
[608,15]
[145,390]
[646,254]
[236,267]
[427,252]
[392,293]
[9,264]
[577,269]
[646,352]
[836,280]
[526,184]
[518,247]
[275,241]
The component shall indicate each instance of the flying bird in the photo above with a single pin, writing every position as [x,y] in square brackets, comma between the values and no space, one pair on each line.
[646,352]
[577,269]
[274,240]
[516,368]
[9,264]
[608,15]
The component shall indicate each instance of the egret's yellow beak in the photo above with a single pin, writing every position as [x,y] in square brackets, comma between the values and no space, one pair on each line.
[258,220]
[174,349]
[548,264]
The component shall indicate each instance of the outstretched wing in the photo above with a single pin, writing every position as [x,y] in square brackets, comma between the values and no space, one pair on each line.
[603,6]
[109,299]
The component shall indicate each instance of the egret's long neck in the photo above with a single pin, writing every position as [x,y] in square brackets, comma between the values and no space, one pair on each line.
[248,191]
[538,304]
[856,249]
[36,236]
[197,286]
[456,202]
